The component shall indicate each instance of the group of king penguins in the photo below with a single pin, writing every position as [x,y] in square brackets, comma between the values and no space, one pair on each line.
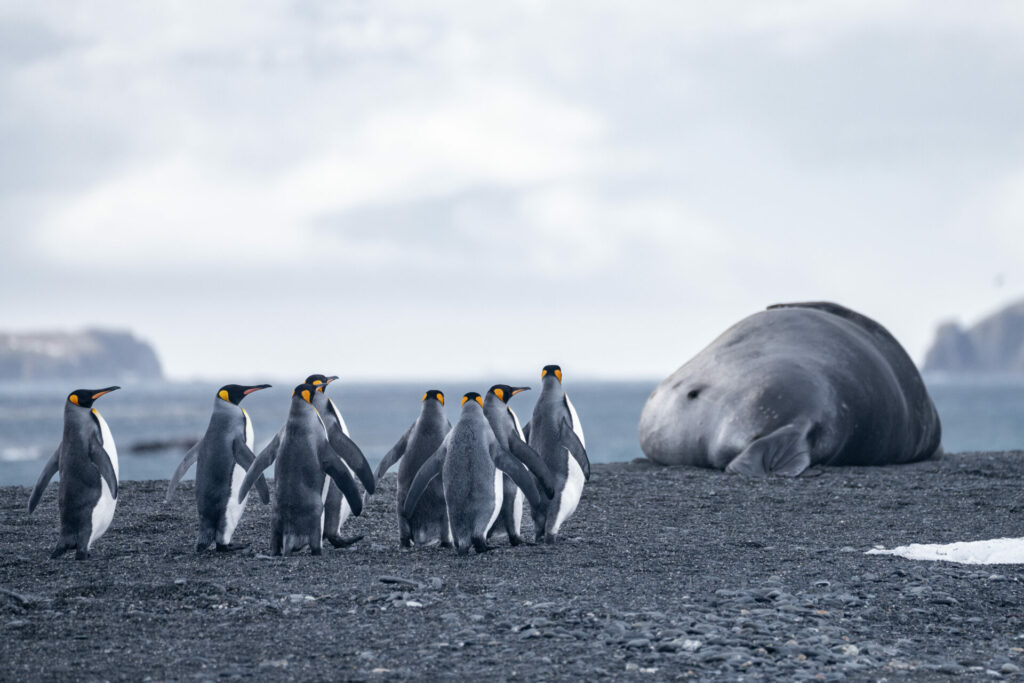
[455,484]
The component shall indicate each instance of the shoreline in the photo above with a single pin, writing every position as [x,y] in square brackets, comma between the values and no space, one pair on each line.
[663,572]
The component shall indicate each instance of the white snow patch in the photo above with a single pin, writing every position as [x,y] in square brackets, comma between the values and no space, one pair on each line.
[995,551]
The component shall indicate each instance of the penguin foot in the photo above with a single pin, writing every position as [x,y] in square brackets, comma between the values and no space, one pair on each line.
[447,544]
[202,547]
[81,554]
[480,546]
[550,539]
[316,551]
[339,542]
[231,547]
[58,551]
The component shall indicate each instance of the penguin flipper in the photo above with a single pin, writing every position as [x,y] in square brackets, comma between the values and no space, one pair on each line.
[245,458]
[393,456]
[504,461]
[333,466]
[264,460]
[101,460]
[353,457]
[576,448]
[532,460]
[186,462]
[428,470]
[49,469]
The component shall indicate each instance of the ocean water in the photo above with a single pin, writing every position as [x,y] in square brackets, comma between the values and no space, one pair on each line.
[977,414]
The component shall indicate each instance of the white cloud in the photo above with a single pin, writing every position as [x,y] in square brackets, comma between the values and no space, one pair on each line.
[671,165]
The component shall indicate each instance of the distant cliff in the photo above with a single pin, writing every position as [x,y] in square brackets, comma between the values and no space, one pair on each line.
[996,344]
[89,355]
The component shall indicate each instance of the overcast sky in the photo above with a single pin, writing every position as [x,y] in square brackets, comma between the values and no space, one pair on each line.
[386,190]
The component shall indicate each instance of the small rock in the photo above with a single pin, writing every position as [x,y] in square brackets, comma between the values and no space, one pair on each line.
[413,603]
[1009,668]
[274,664]
[400,580]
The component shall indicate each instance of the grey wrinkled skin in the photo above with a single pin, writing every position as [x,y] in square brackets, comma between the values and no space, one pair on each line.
[794,386]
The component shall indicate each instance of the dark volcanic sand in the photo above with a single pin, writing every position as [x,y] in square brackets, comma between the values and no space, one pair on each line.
[663,572]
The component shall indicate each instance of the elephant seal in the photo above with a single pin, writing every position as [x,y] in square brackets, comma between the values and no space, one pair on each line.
[790,387]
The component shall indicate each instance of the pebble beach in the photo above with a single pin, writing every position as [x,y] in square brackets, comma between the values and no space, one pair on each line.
[662,573]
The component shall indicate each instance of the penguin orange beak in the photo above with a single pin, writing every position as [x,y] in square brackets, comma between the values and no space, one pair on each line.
[101,392]
[518,390]
[323,387]
[255,388]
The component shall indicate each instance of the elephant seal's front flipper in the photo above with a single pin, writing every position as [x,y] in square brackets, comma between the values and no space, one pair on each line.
[785,452]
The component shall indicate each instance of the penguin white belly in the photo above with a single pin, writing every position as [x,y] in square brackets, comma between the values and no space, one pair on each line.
[108,442]
[234,510]
[517,510]
[341,420]
[323,501]
[499,493]
[517,502]
[576,426]
[102,513]
[569,496]
[346,510]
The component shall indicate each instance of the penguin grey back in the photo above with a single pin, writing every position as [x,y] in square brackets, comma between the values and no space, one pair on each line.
[429,522]
[472,485]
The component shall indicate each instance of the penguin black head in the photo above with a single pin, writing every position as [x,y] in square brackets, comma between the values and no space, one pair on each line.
[435,394]
[505,392]
[83,398]
[551,370]
[234,393]
[320,381]
[304,392]
[472,396]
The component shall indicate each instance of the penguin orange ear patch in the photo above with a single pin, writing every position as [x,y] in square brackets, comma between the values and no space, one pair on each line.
[425,397]
[306,395]
[464,399]
[480,400]
[223,394]
[558,374]
[500,393]
[440,397]
[73,398]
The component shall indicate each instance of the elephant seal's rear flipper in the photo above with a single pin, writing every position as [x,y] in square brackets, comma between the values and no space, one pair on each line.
[784,452]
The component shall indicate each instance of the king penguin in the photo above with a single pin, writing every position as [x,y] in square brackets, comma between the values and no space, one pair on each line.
[509,432]
[87,461]
[555,433]
[336,507]
[224,455]
[429,522]
[470,463]
[305,459]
